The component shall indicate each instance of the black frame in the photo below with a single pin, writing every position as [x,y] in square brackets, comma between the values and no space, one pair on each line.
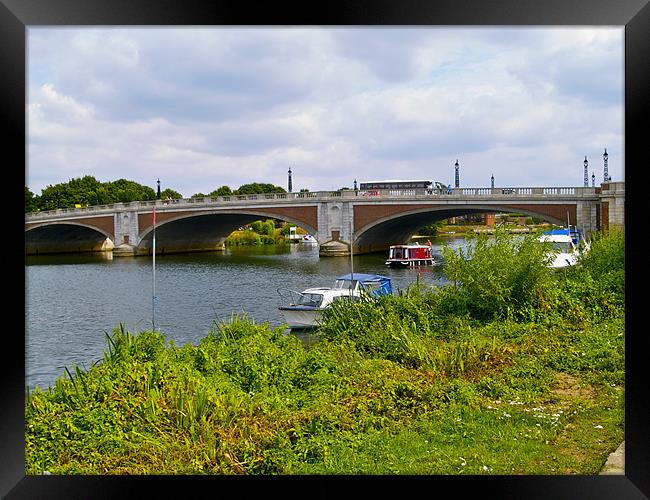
[17,15]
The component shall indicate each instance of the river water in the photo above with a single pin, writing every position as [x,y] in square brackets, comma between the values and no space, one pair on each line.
[72,301]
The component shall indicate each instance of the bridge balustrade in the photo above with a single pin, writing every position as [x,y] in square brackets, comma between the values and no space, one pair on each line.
[324,195]
[559,190]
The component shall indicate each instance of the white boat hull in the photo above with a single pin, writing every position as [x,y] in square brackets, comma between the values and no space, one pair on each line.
[301,317]
[563,260]
[409,262]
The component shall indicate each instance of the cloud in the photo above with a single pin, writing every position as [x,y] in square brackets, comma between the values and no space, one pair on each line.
[207,107]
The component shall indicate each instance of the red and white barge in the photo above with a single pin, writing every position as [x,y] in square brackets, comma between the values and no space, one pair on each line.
[410,255]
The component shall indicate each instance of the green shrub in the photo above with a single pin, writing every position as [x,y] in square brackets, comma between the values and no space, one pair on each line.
[238,238]
[253,356]
[501,276]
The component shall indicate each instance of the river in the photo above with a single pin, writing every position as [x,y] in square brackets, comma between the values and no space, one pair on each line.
[72,301]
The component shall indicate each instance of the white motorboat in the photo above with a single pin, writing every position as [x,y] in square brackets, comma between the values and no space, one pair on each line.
[305,309]
[564,251]
[308,238]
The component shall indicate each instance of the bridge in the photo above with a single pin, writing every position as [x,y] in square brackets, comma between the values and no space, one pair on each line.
[367,221]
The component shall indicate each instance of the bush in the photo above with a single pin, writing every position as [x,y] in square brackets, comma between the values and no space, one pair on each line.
[605,260]
[252,356]
[238,238]
[500,277]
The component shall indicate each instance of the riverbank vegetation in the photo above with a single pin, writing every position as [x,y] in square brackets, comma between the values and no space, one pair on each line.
[262,232]
[511,369]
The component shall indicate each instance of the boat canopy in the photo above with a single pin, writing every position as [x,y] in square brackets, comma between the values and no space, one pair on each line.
[575,233]
[556,237]
[557,231]
[374,283]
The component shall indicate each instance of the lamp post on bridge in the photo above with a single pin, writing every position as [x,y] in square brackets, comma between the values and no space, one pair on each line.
[586,163]
[158,192]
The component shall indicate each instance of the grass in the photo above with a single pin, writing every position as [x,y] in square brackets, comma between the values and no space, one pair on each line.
[421,383]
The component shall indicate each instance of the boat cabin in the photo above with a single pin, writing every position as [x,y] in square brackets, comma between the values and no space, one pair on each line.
[409,255]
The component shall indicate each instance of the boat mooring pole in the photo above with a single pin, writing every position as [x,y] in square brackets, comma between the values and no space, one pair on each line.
[153,294]
[351,251]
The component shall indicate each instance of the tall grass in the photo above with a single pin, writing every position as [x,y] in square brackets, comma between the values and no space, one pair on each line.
[431,381]
[500,276]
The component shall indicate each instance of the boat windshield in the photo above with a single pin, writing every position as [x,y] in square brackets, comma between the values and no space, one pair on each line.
[345,284]
[310,299]
[398,253]
[372,286]
[561,246]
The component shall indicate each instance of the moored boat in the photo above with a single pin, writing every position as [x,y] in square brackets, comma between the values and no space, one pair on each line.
[410,255]
[564,251]
[572,231]
[305,309]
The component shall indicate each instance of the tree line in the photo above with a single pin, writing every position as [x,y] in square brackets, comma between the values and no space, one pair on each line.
[87,190]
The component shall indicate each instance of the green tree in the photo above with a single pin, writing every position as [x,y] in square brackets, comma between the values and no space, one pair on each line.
[222,191]
[258,188]
[89,191]
[432,229]
[123,191]
[66,195]
[264,227]
[31,201]
[170,193]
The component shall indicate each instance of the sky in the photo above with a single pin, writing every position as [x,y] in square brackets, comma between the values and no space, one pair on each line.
[199,108]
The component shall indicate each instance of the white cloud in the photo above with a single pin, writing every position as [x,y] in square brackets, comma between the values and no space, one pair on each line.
[206,107]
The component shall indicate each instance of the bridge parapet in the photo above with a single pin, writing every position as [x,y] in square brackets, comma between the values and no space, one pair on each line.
[320,196]
[338,217]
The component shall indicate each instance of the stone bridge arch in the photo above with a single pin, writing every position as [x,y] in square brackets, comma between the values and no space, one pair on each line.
[66,237]
[198,231]
[398,223]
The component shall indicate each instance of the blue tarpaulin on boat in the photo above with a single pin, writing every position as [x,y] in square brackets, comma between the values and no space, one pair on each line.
[574,233]
[557,231]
